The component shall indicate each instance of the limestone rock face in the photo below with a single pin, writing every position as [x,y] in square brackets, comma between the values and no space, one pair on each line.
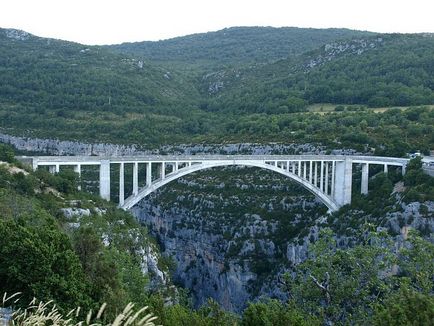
[17,34]
[63,147]
[75,212]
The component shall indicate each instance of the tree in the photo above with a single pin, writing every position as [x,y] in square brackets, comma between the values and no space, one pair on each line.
[274,313]
[7,153]
[406,307]
[39,262]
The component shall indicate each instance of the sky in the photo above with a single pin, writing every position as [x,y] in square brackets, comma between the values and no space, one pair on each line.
[116,21]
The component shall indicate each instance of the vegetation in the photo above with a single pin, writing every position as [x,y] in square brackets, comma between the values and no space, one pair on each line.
[43,255]
[40,313]
[51,88]
[377,71]
[236,45]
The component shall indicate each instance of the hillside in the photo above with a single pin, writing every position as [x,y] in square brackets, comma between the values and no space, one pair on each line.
[71,247]
[382,70]
[56,89]
[46,82]
[236,45]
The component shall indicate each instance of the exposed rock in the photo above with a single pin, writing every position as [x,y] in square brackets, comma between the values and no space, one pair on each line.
[17,34]
[335,50]
[71,212]
[13,169]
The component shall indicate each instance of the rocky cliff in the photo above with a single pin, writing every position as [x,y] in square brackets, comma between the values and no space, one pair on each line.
[234,232]
[231,232]
[65,147]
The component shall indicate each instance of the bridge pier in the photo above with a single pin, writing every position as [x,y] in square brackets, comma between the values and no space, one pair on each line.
[365,179]
[54,168]
[343,178]
[135,178]
[77,169]
[121,184]
[163,170]
[148,174]
[104,179]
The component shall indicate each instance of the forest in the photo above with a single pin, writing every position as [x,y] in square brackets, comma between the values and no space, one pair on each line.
[57,89]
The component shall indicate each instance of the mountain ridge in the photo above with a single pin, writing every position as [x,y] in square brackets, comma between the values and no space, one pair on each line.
[236,45]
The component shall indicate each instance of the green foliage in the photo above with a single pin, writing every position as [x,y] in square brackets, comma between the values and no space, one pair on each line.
[65,181]
[70,91]
[7,154]
[181,314]
[345,285]
[275,313]
[406,307]
[417,264]
[38,261]
[420,185]
[235,45]
[44,258]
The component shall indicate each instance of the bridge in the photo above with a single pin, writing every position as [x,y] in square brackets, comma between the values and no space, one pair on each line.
[328,177]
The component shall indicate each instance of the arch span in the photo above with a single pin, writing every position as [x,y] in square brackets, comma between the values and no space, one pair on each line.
[134,199]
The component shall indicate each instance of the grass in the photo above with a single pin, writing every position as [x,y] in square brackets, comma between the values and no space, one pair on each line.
[40,313]
[322,108]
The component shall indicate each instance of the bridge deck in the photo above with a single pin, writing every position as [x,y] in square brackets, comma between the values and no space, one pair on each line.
[92,160]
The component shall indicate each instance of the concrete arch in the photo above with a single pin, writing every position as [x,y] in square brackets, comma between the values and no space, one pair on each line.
[133,200]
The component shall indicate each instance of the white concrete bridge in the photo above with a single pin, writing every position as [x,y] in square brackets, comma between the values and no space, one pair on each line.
[328,177]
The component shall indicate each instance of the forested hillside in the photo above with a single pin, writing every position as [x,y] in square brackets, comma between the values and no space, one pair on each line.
[377,71]
[57,75]
[236,45]
[51,88]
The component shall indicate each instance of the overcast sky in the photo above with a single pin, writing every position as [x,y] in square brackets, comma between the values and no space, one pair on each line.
[116,21]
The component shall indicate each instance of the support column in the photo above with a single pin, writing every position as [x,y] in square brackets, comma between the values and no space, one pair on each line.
[121,184]
[310,171]
[57,168]
[321,177]
[326,185]
[34,164]
[176,167]
[304,170]
[52,169]
[315,178]
[104,179]
[287,166]
[403,169]
[293,167]
[163,170]
[365,178]
[135,178]
[299,169]
[333,178]
[385,168]
[77,169]
[343,180]
[148,174]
